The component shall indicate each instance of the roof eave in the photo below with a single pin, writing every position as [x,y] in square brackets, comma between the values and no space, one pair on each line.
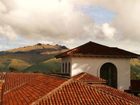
[97,56]
[103,56]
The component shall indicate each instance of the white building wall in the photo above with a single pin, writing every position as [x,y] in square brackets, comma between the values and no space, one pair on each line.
[93,65]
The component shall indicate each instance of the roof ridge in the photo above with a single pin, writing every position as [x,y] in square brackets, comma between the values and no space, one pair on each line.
[53,91]
[86,85]
[110,88]
[114,95]
[84,73]
[87,74]
[104,92]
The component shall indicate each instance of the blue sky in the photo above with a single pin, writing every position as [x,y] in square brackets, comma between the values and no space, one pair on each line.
[99,14]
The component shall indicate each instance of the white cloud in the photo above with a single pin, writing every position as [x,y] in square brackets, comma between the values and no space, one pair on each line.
[42,18]
[2,7]
[62,22]
[108,31]
[8,32]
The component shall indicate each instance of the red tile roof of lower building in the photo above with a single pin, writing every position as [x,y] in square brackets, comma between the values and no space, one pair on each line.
[78,93]
[88,78]
[24,88]
[117,93]
[40,89]
[14,80]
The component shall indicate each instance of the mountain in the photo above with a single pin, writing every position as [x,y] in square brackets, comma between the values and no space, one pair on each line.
[38,47]
[27,58]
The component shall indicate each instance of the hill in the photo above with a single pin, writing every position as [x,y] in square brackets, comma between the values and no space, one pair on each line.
[38,46]
[135,68]
[48,66]
[27,58]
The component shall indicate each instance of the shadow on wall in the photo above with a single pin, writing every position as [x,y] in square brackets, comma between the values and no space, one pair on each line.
[78,68]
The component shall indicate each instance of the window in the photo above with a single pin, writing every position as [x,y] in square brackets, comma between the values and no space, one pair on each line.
[66,67]
[69,67]
[63,67]
[108,72]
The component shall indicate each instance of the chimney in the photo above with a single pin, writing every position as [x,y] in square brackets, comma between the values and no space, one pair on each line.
[1,91]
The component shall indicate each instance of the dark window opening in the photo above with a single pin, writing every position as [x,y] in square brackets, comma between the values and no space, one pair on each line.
[109,72]
[63,68]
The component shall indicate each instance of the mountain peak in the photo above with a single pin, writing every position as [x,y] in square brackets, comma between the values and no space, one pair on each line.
[38,46]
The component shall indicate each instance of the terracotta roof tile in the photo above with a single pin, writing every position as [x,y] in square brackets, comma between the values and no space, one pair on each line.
[23,89]
[88,78]
[39,89]
[98,50]
[117,93]
[77,93]
[14,80]
[2,76]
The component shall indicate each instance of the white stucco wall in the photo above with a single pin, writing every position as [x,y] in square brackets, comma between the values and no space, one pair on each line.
[93,65]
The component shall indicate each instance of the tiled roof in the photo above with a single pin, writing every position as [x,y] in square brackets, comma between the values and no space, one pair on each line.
[78,93]
[39,89]
[97,50]
[14,80]
[117,93]
[23,89]
[88,78]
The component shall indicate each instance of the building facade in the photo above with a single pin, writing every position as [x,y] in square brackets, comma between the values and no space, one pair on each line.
[109,63]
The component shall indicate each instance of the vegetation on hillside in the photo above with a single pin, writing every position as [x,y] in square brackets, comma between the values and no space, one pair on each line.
[36,58]
[135,68]
[40,58]
[50,66]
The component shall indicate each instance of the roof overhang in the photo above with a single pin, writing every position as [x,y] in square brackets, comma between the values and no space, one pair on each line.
[92,49]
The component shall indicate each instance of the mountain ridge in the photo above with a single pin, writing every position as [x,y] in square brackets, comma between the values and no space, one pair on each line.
[32,57]
[36,46]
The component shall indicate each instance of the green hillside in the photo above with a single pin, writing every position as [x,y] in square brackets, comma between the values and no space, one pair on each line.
[135,69]
[13,64]
[32,58]
[18,65]
[36,58]
[49,66]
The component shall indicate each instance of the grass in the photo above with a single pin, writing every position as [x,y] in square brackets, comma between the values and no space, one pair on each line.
[30,58]
[16,64]
[19,65]
[49,66]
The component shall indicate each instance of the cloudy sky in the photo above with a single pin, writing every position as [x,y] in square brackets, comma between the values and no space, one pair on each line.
[70,22]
